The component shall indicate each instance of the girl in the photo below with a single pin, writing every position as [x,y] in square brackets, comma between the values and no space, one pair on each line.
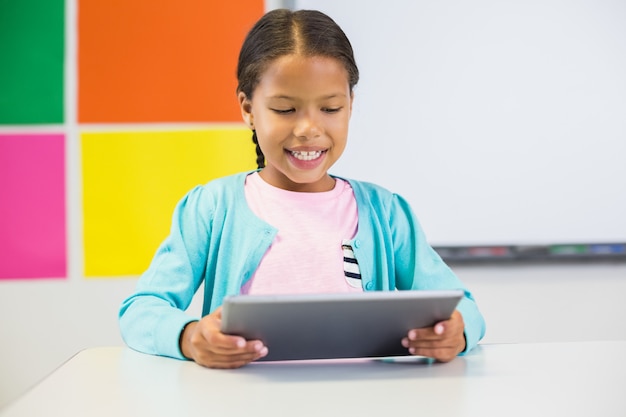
[287,227]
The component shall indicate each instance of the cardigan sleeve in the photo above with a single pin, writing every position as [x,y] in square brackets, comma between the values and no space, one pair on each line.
[419,267]
[152,319]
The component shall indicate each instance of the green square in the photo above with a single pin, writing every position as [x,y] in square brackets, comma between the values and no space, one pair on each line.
[32,37]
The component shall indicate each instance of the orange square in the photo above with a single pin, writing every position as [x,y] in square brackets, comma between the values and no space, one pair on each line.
[160,61]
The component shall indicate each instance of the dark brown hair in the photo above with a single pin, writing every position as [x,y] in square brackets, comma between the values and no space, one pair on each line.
[283,32]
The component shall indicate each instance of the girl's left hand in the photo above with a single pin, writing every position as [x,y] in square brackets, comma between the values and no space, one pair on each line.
[443,342]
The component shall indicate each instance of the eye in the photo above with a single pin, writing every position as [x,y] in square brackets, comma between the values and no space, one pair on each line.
[331,109]
[283,111]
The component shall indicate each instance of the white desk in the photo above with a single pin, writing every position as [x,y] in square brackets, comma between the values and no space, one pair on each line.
[551,379]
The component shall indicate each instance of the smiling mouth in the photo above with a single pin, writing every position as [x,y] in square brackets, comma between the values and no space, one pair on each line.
[306,156]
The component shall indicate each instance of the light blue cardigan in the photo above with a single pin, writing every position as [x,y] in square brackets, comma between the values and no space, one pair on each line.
[217,239]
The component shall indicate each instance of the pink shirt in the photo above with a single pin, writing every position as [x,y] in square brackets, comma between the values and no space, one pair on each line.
[306,255]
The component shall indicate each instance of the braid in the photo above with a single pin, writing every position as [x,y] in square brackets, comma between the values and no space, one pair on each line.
[260,158]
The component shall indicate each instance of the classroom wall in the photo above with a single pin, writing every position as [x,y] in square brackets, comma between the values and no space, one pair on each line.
[44,321]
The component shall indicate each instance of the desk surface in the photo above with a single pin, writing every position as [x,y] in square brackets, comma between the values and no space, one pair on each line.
[549,379]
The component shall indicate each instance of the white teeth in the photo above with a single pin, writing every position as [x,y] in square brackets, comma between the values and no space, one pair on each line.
[306,156]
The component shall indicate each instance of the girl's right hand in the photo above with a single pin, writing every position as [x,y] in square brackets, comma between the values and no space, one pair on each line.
[203,342]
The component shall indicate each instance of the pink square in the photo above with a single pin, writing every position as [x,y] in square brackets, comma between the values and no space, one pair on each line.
[32,206]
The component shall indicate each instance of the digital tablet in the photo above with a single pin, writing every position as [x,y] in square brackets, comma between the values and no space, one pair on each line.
[325,326]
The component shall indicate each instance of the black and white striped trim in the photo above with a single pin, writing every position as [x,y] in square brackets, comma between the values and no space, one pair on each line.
[350,265]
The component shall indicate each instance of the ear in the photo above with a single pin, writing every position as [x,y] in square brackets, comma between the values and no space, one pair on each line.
[245,105]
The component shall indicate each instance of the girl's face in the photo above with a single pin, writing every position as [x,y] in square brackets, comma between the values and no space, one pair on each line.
[300,110]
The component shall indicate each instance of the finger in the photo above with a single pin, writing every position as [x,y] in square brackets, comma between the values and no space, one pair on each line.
[237,357]
[440,347]
[230,361]
[428,342]
[441,354]
[210,330]
[243,356]
[227,345]
[431,344]
[229,364]
[220,342]
[440,329]
[213,340]
[439,335]
[425,346]
[427,333]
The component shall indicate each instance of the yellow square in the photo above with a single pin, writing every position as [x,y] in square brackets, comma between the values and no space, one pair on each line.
[132,182]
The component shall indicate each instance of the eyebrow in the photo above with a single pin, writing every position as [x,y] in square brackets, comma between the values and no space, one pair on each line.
[285,97]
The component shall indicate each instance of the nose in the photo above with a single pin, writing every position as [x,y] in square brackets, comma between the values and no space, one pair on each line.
[307,126]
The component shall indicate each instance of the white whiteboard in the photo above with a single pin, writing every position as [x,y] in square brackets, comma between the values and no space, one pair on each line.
[500,122]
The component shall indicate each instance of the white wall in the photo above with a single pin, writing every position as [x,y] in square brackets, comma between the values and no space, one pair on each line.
[547,303]
[46,322]
[502,122]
